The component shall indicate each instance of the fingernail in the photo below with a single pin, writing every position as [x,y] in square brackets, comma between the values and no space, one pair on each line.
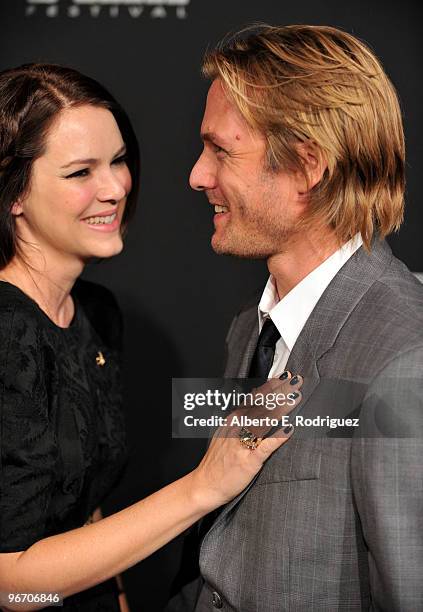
[288,429]
[294,380]
[284,376]
[294,395]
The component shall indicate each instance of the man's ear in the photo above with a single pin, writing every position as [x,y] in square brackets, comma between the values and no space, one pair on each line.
[314,163]
[17,208]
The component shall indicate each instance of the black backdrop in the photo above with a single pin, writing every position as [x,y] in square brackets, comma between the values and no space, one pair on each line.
[176,295]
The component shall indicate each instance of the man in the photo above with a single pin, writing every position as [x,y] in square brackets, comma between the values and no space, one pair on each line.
[303,161]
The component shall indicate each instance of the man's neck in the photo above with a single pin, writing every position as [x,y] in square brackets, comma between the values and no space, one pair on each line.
[305,252]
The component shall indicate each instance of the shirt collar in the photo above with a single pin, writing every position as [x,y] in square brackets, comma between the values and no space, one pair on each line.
[291,313]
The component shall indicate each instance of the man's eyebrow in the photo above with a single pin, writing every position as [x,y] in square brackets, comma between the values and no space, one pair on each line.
[92,160]
[213,138]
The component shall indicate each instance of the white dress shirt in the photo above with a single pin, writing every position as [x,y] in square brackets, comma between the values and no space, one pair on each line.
[291,312]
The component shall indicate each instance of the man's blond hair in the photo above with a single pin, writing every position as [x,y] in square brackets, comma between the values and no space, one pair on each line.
[320,85]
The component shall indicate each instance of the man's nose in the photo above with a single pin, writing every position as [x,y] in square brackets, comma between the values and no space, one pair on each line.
[111,188]
[203,175]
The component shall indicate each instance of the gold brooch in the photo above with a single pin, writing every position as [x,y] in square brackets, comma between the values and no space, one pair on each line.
[100,361]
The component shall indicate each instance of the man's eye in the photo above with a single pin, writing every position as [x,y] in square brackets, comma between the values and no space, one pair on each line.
[219,151]
[78,173]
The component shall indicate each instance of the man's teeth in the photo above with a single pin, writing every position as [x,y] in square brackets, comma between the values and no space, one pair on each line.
[220,209]
[101,220]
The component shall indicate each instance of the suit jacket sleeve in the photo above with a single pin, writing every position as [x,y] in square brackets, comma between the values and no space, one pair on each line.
[387,477]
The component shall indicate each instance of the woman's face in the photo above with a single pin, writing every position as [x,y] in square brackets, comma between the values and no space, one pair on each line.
[78,189]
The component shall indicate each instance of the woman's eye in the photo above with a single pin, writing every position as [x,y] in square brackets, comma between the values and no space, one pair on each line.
[83,172]
[123,159]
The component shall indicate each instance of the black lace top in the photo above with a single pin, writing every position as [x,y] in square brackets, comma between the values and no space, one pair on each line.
[62,436]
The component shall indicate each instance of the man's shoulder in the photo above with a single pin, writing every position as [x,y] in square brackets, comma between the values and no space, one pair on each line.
[396,299]
[403,284]
[386,323]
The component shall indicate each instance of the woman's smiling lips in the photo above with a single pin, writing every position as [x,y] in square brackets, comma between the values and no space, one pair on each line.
[107,221]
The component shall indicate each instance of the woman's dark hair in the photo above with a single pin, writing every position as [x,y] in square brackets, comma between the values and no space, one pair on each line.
[31,97]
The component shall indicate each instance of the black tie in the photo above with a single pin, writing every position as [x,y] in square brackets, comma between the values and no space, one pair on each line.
[265,351]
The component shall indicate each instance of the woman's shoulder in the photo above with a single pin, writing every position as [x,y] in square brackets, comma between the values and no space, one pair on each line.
[20,346]
[18,313]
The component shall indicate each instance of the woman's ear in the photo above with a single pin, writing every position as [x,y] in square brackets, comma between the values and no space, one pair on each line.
[314,162]
[17,208]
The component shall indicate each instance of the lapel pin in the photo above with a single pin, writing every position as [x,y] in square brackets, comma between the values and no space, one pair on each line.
[100,361]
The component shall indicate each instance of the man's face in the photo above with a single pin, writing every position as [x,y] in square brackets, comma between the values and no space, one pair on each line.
[256,210]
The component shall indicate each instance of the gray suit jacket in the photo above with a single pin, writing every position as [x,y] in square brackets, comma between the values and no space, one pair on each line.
[334,521]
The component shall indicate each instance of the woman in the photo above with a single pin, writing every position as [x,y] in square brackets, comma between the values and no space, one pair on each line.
[68,178]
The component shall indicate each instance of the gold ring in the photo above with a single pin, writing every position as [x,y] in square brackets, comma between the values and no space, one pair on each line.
[248,439]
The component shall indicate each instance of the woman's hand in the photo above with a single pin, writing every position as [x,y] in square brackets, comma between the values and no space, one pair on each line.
[229,465]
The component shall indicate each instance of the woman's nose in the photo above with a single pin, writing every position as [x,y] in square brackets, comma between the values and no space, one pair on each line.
[112,188]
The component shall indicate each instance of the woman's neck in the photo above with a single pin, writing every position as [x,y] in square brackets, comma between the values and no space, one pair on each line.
[49,288]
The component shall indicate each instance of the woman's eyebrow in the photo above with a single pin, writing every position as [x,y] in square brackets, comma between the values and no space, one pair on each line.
[92,160]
